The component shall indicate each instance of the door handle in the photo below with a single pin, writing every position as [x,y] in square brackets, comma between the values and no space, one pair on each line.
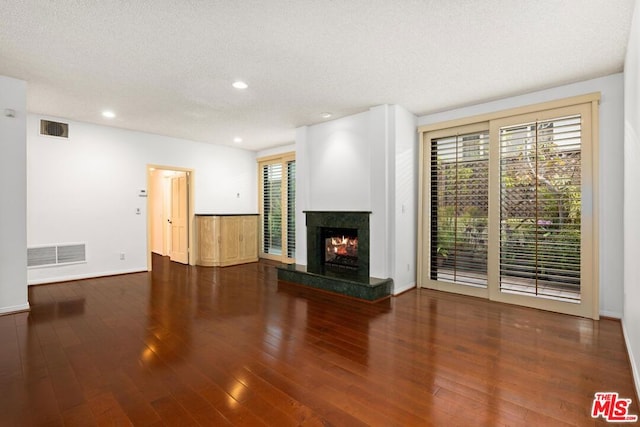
[169,221]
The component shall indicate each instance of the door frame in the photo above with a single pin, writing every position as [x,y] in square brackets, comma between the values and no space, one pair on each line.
[281,159]
[192,247]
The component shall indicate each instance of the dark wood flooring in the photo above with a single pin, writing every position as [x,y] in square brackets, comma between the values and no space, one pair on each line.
[231,346]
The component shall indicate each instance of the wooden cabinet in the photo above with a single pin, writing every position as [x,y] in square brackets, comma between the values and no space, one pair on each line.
[208,232]
[249,237]
[227,239]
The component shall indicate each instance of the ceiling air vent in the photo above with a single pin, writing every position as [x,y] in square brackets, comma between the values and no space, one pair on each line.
[60,130]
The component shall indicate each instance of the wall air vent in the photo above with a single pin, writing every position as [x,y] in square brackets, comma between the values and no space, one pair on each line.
[57,129]
[46,256]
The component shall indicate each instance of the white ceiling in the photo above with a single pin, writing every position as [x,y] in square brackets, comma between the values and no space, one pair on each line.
[166,66]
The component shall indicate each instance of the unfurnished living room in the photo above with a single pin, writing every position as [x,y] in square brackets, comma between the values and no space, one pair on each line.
[384,213]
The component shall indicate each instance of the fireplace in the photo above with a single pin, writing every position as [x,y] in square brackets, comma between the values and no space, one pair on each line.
[340,248]
[338,257]
[338,243]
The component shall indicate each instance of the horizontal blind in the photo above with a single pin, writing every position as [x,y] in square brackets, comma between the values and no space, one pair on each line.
[272,208]
[291,211]
[540,208]
[459,208]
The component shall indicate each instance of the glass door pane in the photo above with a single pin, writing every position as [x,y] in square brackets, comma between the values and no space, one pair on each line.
[459,209]
[540,208]
[272,208]
[291,209]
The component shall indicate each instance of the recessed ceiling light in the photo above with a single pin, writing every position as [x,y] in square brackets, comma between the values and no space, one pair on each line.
[237,140]
[108,114]
[325,115]
[240,84]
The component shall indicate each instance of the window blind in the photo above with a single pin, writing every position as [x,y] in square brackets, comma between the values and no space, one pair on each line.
[540,208]
[459,208]
[272,208]
[291,211]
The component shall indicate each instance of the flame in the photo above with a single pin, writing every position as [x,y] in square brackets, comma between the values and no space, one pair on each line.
[337,241]
[342,245]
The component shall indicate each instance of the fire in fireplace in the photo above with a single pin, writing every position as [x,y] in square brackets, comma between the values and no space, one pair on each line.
[338,244]
[340,247]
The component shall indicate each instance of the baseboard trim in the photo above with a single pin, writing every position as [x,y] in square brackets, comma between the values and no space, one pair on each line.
[403,289]
[14,309]
[610,314]
[83,276]
[634,371]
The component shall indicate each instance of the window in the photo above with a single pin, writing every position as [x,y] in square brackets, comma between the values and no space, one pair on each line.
[507,208]
[291,209]
[277,207]
[460,208]
[540,207]
[272,209]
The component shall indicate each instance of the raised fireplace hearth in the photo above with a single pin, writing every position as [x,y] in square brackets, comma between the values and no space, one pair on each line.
[338,245]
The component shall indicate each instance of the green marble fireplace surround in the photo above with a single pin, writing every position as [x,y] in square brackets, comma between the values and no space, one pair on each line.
[317,220]
[355,281]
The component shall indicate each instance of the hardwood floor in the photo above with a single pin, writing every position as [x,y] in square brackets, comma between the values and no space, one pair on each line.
[232,346]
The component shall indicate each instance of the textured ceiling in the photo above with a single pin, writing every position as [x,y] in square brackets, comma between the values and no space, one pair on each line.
[166,66]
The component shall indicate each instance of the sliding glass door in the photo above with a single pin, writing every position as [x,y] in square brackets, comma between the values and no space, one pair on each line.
[277,207]
[508,209]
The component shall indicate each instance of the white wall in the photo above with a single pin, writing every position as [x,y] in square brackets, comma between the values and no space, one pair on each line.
[394,175]
[611,171]
[303,197]
[378,136]
[340,167]
[276,150]
[85,189]
[351,164]
[631,319]
[13,190]
[406,200]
